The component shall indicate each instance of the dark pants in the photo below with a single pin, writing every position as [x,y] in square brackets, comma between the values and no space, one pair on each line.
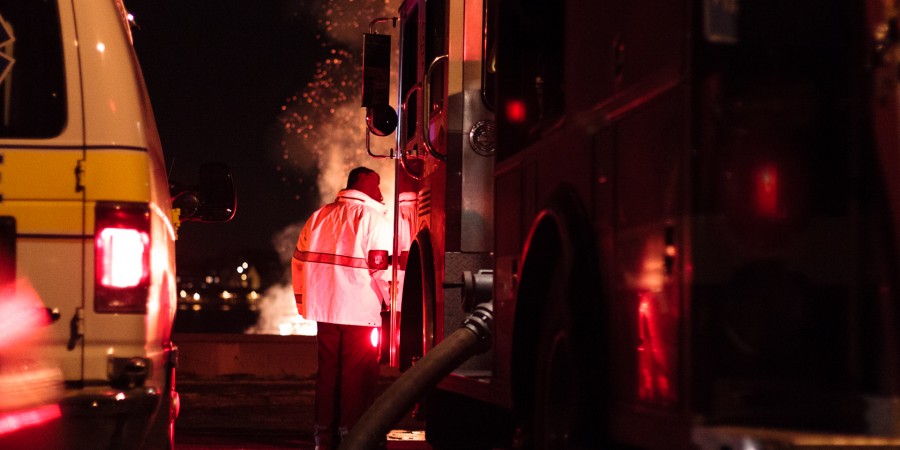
[346,380]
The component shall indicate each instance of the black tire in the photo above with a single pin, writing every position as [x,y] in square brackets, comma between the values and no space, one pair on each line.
[565,415]
[161,435]
[457,422]
[560,347]
[161,430]
[556,403]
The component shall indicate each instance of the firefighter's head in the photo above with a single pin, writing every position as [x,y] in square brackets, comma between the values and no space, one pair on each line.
[367,181]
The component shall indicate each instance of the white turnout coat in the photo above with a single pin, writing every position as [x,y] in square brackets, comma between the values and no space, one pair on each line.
[329,266]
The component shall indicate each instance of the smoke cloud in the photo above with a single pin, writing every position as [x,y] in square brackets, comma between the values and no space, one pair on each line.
[322,136]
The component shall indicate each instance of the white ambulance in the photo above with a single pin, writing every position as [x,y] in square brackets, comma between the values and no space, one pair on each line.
[87,230]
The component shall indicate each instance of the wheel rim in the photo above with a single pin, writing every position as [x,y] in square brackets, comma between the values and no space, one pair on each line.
[557,406]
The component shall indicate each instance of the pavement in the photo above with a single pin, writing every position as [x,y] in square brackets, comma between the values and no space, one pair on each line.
[250,412]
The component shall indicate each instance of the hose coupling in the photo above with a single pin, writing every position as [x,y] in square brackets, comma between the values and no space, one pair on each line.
[481,323]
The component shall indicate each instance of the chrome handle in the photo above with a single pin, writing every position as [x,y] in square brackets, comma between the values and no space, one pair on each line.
[426,107]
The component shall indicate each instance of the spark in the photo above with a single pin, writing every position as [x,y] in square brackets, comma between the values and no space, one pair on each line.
[322,129]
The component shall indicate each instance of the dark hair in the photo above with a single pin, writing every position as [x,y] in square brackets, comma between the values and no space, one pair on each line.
[353,178]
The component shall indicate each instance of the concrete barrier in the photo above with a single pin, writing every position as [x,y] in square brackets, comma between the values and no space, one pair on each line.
[216,355]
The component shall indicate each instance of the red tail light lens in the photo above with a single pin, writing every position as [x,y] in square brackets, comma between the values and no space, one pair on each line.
[122,251]
[122,256]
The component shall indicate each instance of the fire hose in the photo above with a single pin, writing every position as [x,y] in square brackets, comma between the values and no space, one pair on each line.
[471,338]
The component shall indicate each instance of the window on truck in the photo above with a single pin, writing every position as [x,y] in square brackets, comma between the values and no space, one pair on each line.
[408,69]
[489,56]
[531,47]
[32,77]
[435,45]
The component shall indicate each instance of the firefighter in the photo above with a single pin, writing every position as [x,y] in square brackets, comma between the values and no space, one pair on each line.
[334,286]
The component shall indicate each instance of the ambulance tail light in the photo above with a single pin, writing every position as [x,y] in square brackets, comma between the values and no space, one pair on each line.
[122,257]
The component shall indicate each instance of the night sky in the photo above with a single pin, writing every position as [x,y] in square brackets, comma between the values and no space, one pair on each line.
[271,89]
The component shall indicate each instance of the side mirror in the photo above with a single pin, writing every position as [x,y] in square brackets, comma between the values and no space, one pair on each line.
[212,200]
[376,69]
[381,119]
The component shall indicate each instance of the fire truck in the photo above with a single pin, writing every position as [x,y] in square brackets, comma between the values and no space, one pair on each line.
[682,219]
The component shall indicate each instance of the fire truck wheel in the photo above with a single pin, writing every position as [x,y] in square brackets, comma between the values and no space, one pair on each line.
[559,360]
[557,405]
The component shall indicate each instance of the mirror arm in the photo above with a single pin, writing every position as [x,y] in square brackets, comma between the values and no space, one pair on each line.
[373,30]
[426,113]
[369,149]
[175,217]
[378,20]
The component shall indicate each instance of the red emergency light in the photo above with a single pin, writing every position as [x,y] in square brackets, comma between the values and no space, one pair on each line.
[374,337]
[765,190]
[516,111]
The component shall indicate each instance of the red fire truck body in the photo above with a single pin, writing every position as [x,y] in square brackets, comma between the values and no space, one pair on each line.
[684,213]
